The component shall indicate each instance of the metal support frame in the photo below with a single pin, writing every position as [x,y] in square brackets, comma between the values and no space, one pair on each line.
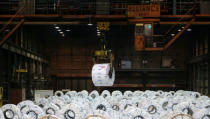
[179,34]
[23,52]
[42,16]
[11,32]
[11,19]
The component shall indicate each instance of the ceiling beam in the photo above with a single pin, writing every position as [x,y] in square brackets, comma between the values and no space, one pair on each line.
[153,49]
[194,23]
[99,16]
[66,16]
[112,22]
[144,20]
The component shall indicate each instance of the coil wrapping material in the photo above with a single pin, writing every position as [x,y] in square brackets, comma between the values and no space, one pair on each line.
[185,107]
[115,104]
[147,104]
[137,93]
[58,102]
[153,108]
[145,95]
[101,104]
[59,93]
[49,117]
[124,104]
[71,94]
[172,115]
[24,104]
[100,75]
[106,94]
[168,94]
[11,111]
[135,101]
[161,93]
[179,93]
[201,114]
[83,94]
[164,104]
[135,113]
[117,94]
[24,116]
[98,114]
[128,94]
[172,92]
[41,102]
[33,111]
[94,94]
[83,103]
[51,109]
[70,111]
[1,114]
[66,99]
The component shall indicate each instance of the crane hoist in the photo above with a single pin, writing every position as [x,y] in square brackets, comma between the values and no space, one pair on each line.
[104,55]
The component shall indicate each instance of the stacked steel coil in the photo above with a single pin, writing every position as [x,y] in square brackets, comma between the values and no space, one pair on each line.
[116,105]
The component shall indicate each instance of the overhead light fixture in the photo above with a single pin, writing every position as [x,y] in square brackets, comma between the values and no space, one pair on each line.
[179,30]
[98,32]
[182,27]
[89,23]
[189,29]
[172,34]
[7,30]
[57,27]
[63,35]
[68,30]
[59,30]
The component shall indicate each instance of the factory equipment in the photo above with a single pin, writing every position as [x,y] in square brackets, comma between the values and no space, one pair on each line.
[103,71]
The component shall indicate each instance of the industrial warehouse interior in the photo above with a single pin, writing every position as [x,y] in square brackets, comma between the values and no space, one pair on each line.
[104,59]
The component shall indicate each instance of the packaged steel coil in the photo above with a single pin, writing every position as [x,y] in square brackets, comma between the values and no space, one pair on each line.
[59,93]
[1,114]
[41,102]
[11,111]
[106,94]
[132,105]
[71,94]
[33,111]
[51,109]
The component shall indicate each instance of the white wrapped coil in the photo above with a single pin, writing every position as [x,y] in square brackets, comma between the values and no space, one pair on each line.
[33,111]
[51,109]
[59,93]
[11,111]
[101,76]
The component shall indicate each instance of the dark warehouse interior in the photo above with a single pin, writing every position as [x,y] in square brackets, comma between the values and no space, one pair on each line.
[51,45]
